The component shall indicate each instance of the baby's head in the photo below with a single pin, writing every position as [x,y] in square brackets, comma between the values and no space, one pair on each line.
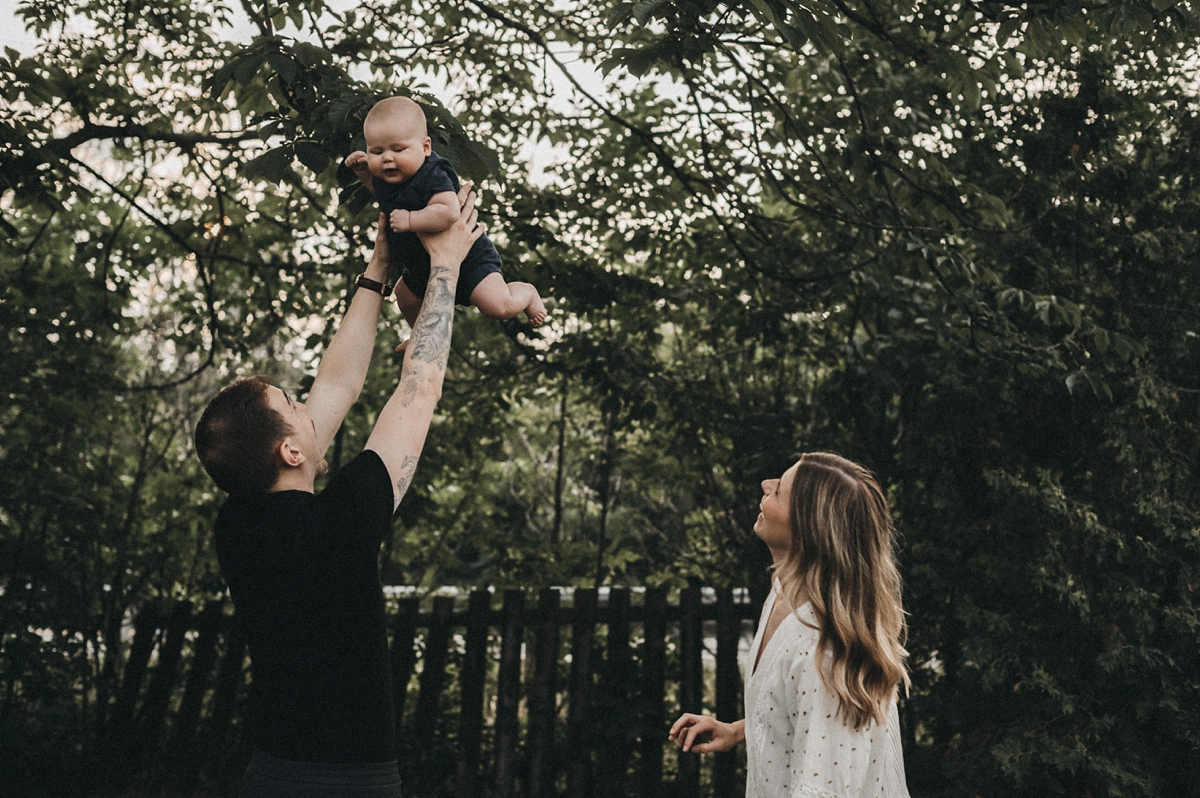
[397,140]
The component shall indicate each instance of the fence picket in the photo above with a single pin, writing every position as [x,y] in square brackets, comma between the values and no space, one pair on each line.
[654,663]
[403,656]
[691,681]
[583,631]
[508,690]
[432,683]
[616,677]
[121,739]
[231,677]
[728,707]
[542,705]
[145,628]
[182,756]
[474,672]
[158,694]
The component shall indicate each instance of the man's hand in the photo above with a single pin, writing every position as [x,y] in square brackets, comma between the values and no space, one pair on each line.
[450,246]
[379,258]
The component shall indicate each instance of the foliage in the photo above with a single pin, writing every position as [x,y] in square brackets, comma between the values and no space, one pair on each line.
[953,241]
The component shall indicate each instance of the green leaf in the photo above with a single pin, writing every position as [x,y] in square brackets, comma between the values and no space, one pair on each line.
[246,68]
[1124,346]
[340,108]
[642,11]
[794,36]
[272,165]
[312,155]
[970,92]
[284,66]
[768,11]
[619,15]
[1043,308]
[1008,28]
[1099,386]
[1013,63]
[354,198]
[221,78]
[310,55]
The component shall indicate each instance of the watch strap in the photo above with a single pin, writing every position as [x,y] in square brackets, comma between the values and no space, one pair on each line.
[362,281]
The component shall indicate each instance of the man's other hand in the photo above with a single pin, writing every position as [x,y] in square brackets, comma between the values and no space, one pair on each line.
[450,247]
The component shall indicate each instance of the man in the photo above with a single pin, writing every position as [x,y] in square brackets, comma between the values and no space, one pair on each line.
[302,568]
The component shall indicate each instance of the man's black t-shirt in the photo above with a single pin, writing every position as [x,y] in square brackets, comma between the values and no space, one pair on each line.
[303,572]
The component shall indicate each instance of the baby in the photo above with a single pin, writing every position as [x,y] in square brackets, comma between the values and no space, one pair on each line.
[418,191]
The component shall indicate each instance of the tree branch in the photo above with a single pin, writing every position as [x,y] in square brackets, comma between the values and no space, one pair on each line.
[186,141]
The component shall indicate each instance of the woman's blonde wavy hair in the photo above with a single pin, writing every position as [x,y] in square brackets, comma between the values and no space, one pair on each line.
[842,559]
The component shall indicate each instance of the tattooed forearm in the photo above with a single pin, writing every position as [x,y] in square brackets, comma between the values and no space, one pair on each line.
[407,469]
[431,334]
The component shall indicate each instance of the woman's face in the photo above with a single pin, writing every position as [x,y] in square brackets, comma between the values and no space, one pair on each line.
[774,525]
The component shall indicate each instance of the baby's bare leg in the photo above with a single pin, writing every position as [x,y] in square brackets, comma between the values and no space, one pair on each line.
[500,300]
[409,305]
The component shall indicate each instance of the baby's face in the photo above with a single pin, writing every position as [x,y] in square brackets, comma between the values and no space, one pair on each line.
[395,152]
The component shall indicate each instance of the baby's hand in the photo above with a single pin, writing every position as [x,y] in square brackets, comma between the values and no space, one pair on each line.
[358,162]
[400,221]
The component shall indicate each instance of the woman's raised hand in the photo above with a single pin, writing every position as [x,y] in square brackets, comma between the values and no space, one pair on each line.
[689,727]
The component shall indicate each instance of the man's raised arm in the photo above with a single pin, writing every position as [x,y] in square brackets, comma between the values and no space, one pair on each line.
[399,434]
[344,365]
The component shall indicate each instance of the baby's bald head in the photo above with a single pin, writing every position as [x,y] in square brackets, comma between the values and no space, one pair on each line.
[397,115]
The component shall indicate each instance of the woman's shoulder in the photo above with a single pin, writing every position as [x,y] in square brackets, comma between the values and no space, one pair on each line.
[804,625]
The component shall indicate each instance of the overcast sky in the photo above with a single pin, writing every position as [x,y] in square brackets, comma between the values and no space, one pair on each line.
[12,33]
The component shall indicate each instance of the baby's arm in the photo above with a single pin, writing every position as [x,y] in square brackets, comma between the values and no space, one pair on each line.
[357,161]
[438,214]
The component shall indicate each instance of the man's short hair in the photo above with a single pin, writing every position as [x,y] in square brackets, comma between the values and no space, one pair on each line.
[237,437]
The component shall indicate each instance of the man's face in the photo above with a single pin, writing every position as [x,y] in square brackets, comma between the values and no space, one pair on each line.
[304,431]
[395,151]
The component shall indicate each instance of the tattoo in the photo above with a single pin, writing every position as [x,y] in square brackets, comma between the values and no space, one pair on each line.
[431,334]
[407,469]
[408,387]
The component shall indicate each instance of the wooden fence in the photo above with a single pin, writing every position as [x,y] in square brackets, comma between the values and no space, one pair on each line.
[629,668]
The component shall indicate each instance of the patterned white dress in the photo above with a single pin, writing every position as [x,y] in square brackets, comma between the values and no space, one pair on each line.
[796,745]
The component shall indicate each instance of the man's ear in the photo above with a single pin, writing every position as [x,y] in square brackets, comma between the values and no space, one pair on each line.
[290,454]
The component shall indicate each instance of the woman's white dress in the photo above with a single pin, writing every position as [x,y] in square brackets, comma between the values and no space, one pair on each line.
[796,744]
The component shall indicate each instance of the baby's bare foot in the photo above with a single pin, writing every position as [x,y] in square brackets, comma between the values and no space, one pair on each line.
[536,310]
[403,346]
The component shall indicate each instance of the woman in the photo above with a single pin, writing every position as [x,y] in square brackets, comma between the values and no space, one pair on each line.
[823,671]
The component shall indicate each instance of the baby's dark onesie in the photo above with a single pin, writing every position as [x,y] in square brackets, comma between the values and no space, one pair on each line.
[408,254]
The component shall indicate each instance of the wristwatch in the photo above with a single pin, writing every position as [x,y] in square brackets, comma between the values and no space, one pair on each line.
[362,281]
